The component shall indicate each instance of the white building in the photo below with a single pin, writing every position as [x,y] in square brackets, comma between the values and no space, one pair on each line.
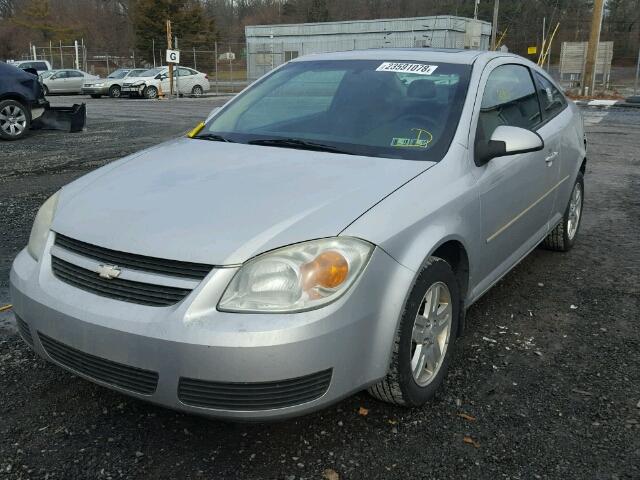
[271,45]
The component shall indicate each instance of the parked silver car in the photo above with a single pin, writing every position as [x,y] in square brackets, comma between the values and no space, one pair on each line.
[65,81]
[112,85]
[322,233]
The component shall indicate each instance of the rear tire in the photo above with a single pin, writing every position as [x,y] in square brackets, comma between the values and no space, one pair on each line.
[412,381]
[115,92]
[15,120]
[150,92]
[563,236]
[197,91]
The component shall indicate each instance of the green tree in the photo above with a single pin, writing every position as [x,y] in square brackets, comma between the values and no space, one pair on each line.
[189,23]
[37,17]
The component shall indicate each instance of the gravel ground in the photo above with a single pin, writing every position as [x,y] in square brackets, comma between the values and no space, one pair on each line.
[545,385]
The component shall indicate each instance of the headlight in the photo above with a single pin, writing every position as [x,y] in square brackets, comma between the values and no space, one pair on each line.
[138,83]
[98,84]
[41,226]
[299,277]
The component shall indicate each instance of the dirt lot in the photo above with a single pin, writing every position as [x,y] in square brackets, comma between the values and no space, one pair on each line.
[546,383]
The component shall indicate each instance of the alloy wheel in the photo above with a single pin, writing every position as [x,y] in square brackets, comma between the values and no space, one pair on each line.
[431,333]
[13,120]
[575,210]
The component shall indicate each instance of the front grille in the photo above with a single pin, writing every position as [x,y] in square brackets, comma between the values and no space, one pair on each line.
[253,396]
[117,288]
[174,268]
[24,330]
[117,374]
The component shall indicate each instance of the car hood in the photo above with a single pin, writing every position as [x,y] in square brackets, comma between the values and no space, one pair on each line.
[222,203]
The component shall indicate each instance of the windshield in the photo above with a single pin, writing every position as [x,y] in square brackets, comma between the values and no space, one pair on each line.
[363,107]
[151,72]
[118,74]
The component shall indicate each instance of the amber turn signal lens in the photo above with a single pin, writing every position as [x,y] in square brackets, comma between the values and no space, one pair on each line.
[327,270]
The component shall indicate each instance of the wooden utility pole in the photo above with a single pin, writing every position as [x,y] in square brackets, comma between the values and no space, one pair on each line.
[494,26]
[589,79]
[169,47]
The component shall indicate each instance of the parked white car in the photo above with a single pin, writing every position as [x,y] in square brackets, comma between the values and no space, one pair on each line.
[187,81]
[66,81]
[38,65]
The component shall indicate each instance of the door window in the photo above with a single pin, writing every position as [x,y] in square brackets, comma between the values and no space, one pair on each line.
[75,74]
[62,74]
[185,72]
[509,98]
[551,100]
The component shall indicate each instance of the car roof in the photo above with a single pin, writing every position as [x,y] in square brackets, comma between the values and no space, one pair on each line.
[443,55]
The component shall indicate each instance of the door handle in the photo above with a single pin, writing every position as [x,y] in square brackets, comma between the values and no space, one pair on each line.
[549,158]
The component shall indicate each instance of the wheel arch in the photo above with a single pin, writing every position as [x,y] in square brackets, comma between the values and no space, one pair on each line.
[17,97]
[454,252]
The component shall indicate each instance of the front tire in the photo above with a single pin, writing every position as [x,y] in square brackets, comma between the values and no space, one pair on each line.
[151,92]
[115,92]
[423,344]
[563,236]
[15,120]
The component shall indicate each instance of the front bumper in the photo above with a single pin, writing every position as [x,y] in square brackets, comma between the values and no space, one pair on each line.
[95,90]
[132,89]
[217,352]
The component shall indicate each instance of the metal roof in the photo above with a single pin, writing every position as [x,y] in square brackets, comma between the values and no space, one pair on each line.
[443,55]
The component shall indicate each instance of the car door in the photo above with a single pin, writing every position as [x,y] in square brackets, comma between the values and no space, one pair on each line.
[57,81]
[557,123]
[515,191]
[75,81]
[186,80]
[164,81]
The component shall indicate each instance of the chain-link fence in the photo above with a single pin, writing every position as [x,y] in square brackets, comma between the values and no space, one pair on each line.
[225,63]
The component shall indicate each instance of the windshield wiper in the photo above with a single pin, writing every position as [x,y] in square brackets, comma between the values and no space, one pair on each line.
[214,137]
[297,143]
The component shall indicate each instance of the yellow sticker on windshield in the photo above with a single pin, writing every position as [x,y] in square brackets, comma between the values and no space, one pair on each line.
[422,140]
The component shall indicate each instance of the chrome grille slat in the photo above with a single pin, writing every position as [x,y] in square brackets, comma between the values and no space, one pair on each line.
[253,396]
[173,268]
[118,374]
[125,290]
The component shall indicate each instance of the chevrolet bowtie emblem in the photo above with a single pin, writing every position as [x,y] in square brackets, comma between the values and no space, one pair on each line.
[108,271]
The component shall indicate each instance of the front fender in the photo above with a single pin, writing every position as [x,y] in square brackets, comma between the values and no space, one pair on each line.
[439,205]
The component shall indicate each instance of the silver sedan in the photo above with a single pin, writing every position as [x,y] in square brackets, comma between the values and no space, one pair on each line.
[65,81]
[321,234]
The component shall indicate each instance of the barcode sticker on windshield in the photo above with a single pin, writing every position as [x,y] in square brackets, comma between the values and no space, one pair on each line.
[418,68]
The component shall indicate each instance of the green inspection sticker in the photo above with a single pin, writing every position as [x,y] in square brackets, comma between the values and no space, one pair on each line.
[422,140]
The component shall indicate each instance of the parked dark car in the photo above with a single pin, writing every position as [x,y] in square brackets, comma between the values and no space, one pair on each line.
[21,100]
[23,105]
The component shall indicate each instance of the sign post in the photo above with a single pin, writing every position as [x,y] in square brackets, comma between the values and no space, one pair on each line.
[168,61]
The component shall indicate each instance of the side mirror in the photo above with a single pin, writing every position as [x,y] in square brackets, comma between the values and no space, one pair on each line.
[507,140]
